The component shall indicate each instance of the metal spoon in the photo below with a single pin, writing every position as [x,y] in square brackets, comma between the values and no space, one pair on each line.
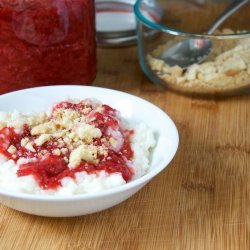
[190,51]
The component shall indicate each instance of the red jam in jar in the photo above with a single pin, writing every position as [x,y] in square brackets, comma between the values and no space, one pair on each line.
[47,42]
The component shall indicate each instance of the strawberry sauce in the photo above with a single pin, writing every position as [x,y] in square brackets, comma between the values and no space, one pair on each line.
[47,42]
[49,169]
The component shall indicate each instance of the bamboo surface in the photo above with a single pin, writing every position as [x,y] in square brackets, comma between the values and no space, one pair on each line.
[201,201]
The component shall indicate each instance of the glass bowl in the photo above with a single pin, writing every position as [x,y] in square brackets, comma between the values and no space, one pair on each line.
[224,68]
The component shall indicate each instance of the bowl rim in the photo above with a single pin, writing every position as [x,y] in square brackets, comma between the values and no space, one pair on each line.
[104,193]
[176,32]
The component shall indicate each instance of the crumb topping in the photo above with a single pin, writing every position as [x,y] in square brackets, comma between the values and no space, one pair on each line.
[227,66]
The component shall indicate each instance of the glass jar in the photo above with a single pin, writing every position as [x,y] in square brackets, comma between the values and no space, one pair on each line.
[47,42]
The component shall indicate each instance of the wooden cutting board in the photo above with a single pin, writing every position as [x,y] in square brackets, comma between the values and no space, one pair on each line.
[201,201]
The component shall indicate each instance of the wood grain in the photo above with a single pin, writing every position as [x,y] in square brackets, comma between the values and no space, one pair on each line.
[201,201]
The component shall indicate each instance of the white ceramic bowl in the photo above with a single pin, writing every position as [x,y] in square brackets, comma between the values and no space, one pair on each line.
[131,107]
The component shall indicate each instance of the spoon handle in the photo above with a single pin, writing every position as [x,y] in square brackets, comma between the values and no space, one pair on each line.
[235,5]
